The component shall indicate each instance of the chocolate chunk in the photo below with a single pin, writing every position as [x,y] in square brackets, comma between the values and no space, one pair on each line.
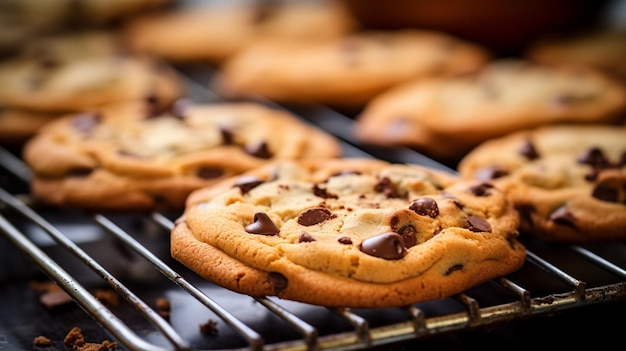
[278,281]
[606,192]
[386,187]
[481,189]
[425,207]
[228,137]
[389,246]
[344,240]
[563,216]
[306,238]
[209,172]
[247,183]
[528,150]
[314,216]
[456,267]
[593,157]
[260,150]
[477,224]
[323,193]
[262,225]
[409,235]
[86,122]
[491,172]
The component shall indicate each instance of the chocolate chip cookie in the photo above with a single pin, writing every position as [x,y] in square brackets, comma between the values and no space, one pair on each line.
[347,71]
[445,118]
[348,232]
[213,32]
[568,182]
[138,156]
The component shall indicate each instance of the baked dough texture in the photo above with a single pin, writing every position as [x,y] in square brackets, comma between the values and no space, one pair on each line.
[568,182]
[348,232]
[138,156]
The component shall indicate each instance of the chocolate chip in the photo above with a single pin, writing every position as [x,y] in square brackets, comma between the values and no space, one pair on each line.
[409,235]
[606,192]
[323,193]
[344,240]
[314,216]
[262,225]
[247,183]
[525,211]
[594,157]
[306,238]
[209,172]
[425,207]
[259,150]
[562,215]
[491,172]
[345,172]
[86,122]
[79,172]
[528,150]
[453,268]
[389,246]
[481,189]
[228,138]
[477,224]
[278,281]
[386,187]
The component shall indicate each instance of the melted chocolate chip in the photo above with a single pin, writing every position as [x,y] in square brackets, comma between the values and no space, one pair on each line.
[409,235]
[481,189]
[209,172]
[86,122]
[563,216]
[262,225]
[453,268]
[477,224]
[228,138]
[314,216]
[528,150]
[306,238]
[606,192]
[80,172]
[278,281]
[425,207]
[247,183]
[526,211]
[344,240]
[323,193]
[345,172]
[491,172]
[260,150]
[386,187]
[593,157]
[389,246]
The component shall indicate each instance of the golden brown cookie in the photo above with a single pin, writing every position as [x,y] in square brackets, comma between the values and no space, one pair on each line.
[136,156]
[73,71]
[17,126]
[445,118]
[601,49]
[213,32]
[346,71]
[348,232]
[567,181]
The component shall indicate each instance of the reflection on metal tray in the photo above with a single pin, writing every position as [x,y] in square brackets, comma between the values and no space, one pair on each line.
[129,254]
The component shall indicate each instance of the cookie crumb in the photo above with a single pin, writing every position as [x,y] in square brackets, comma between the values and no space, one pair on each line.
[108,297]
[209,328]
[163,307]
[42,341]
[76,340]
[53,296]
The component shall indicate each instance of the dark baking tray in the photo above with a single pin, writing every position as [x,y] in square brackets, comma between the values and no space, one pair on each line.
[565,297]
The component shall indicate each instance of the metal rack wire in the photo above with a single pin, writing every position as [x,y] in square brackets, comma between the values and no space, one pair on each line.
[551,280]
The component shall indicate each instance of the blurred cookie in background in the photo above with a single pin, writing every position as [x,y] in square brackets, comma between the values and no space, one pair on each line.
[444,118]
[604,49]
[214,31]
[347,71]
